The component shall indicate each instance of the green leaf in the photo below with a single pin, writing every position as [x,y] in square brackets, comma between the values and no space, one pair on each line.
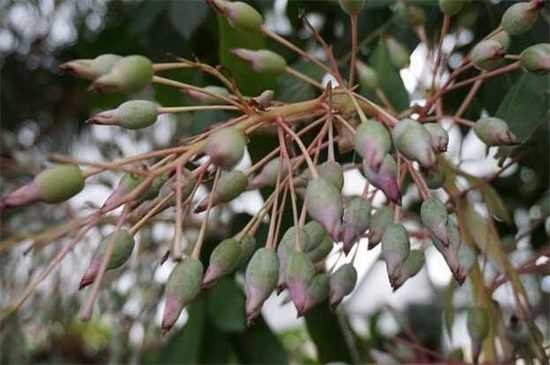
[448,307]
[187,16]
[495,204]
[226,306]
[216,346]
[291,90]
[259,345]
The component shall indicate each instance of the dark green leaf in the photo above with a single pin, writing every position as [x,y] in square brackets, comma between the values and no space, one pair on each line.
[226,306]
[259,345]
[187,16]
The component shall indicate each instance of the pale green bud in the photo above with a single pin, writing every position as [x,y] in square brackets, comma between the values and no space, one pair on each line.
[520,17]
[380,220]
[223,260]
[494,132]
[414,141]
[433,214]
[536,58]
[395,249]
[440,137]
[262,61]
[133,114]
[129,74]
[356,220]
[372,142]
[324,204]
[260,280]
[225,147]
[342,282]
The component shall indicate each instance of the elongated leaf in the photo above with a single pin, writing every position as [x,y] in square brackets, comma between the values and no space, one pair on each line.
[259,345]
[226,306]
[291,89]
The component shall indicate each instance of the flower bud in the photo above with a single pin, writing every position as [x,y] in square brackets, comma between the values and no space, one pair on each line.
[440,137]
[223,260]
[352,7]
[385,179]
[243,16]
[520,17]
[333,173]
[324,204]
[494,132]
[287,246]
[487,54]
[433,214]
[248,246]
[367,76]
[316,292]
[412,265]
[230,185]
[478,328]
[298,275]
[414,141]
[123,246]
[133,114]
[262,61]
[433,176]
[536,58]
[380,220]
[126,184]
[503,38]
[395,249]
[91,69]
[268,175]
[260,280]
[372,142]
[399,55]
[466,260]
[318,243]
[154,189]
[205,98]
[225,147]
[342,282]
[184,284]
[451,7]
[130,74]
[356,221]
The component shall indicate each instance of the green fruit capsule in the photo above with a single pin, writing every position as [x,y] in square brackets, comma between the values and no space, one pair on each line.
[395,249]
[494,132]
[352,7]
[129,74]
[317,291]
[223,260]
[230,185]
[324,204]
[414,141]
[260,280]
[487,54]
[451,7]
[299,273]
[368,77]
[412,265]
[536,58]
[355,221]
[433,214]
[248,246]
[380,220]
[91,69]
[342,282]
[262,61]
[59,183]
[520,18]
[225,147]
[399,55]
[440,137]
[333,173]
[372,142]
[184,284]
[243,16]
[133,114]
[478,325]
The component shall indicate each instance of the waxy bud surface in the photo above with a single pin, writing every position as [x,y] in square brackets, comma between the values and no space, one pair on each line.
[433,214]
[298,275]
[133,114]
[324,204]
[385,178]
[372,141]
[129,74]
[342,282]
[536,58]
[352,7]
[243,16]
[494,132]
[230,185]
[260,280]
[380,220]
[356,220]
[223,260]
[440,137]
[333,173]
[262,61]
[487,54]
[206,98]
[520,17]
[225,147]
[414,141]
[91,69]
[395,249]
[412,265]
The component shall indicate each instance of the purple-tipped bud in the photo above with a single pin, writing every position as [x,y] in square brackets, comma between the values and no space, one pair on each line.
[412,265]
[342,282]
[333,173]
[184,284]
[380,220]
[260,280]
[372,142]
[536,58]
[356,221]
[248,246]
[494,132]
[520,18]
[91,69]
[226,147]
[478,324]
[262,61]
[324,204]
[399,55]
[122,250]
[352,7]
[433,214]
[440,137]
[292,241]
[317,291]
[133,114]
[241,15]
[451,7]
[268,175]
[126,184]
[367,76]
[130,74]
[395,249]
[385,178]
[413,140]
[223,260]
[208,99]
[230,186]
[298,275]
[487,54]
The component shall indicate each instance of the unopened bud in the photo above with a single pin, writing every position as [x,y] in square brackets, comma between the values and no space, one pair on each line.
[260,280]
[318,243]
[342,282]
[324,204]
[520,17]
[184,284]
[487,54]
[440,137]
[333,173]
[230,185]
[223,260]
[352,7]
[412,265]
[133,114]
[414,141]
[367,76]
[385,178]
[91,69]
[248,246]
[243,16]
[433,214]
[395,249]
[262,61]
[451,7]
[536,58]
[380,220]
[434,176]
[466,260]
[206,98]
[294,240]
[130,74]
[268,175]
[225,147]
[356,221]
[478,328]
[399,55]
[298,275]
[372,142]
[494,132]
[126,184]
[154,189]
[503,38]
[317,291]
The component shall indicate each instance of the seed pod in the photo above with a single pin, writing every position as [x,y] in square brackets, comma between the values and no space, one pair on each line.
[91,69]
[451,7]
[298,275]
[184,284]
[333,173]
[399,55]
[126,184]
[260,280]
[356,221]
[478,328]
[248,246]
[367,76]
[225,147]
[324,204]
[433,214]
[395,249]
[440,137]
[520,18]
[262,61]
[372,142]
[317,291]
[130,74]
[243,16]
[412,265]
[133,114]
[380,220]
[208,99]
[342,282]
[503,38]
[122,250]
[494,132]
[223,260]
[414,141]
[268,175]
[352,7]
[487,54]
[230,186]
[385,179]
[536,58]
[433,176]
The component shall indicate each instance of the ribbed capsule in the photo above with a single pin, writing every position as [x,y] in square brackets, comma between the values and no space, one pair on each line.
[478,323]
[439,136]
[230,185]
[414,141]
[298,275]
[262,61]
[520,17]
[451,7]
[536,58]
[324,204]
[129,74]
[133,114]
[184,284]
[368,77]
[433,214]
[342,282]
[372,142]
[395,249]
[355,221]
[225,147]
[385,178]
[494,132]
[380,220]
[260,280]
[412,265]
[91,69]
[223,260]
